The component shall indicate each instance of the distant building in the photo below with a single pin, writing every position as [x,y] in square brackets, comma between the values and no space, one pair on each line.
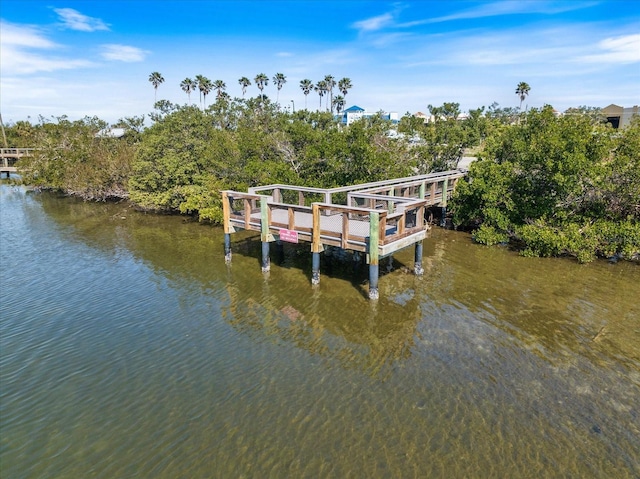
[351,114]
[421,115]
[355,113]
[618,116]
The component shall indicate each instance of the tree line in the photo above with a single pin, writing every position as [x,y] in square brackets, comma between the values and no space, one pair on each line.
[545,184]
[324,88]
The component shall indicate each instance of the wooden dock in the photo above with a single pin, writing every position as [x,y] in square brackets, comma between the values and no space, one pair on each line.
[377,218]
[9,157]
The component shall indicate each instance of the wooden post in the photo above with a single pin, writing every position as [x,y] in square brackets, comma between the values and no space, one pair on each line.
[315,268]
[445,185]
[226,221]
[417,266]
[316,246]
[227,248]
[345,230]
[291,216]
[421,191]
[374,236]
[264,230]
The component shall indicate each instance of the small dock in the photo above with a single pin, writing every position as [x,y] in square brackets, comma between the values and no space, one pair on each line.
[376,219]
[9,157]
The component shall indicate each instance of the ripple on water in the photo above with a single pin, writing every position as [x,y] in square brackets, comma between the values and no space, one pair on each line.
[131,350]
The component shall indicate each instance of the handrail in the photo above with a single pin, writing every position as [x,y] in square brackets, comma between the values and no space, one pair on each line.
[328,192]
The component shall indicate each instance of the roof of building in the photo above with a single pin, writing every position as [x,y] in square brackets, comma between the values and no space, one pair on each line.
[354,108]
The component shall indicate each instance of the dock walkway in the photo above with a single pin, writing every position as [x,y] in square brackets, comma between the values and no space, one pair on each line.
[376,218]
[8,158]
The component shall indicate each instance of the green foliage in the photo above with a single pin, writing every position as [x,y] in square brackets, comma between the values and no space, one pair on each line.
[188,156]
[566,185]
[71,157]
[178,161]
[550,185]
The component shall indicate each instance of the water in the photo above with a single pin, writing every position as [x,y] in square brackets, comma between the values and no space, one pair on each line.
[129,349]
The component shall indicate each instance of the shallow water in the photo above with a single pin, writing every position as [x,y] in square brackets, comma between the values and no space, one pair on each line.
[129,349]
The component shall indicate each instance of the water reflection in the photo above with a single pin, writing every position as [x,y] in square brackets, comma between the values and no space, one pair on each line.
[555,307]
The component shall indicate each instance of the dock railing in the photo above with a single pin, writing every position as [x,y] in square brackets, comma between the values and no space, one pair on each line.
[344,226]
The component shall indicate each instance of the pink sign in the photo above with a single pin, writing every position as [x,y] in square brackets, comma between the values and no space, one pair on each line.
[289,236]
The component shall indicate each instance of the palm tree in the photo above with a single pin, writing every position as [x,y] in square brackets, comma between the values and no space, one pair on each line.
[321,88]
[244,83]
[155,78]
[188,85]
[202,82]
[205,89]
[306,85]
[219,86]
[344,85]
[338,102]
[279,80]
[261,80]
[522,90]
[331,82]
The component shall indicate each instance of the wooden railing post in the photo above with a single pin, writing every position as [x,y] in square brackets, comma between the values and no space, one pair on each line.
[316,246]
[345,230]
[374,236]
[445,186]
[226,221]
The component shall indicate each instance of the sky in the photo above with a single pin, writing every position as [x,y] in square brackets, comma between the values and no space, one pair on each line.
[94,57]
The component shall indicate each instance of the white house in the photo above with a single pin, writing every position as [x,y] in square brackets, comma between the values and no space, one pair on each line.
[351,114]
[355,113]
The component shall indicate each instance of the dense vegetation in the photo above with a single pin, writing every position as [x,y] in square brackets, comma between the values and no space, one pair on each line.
[548,185]
[556,185]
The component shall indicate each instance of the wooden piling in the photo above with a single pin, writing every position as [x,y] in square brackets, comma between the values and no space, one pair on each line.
[417,265]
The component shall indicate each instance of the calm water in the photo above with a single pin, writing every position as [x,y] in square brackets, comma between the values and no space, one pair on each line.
[129,349]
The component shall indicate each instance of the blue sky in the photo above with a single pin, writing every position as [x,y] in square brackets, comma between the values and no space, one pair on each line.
[80,58]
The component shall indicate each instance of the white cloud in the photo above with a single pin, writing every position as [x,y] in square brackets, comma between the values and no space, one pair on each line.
[19,55]
[506,8]
[284,54]
[20,62]
[75,20]
[623,49]
[373,23]
[23,36]
[123,53]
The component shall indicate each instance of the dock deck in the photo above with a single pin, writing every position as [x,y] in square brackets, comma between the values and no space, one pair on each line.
[377,218]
